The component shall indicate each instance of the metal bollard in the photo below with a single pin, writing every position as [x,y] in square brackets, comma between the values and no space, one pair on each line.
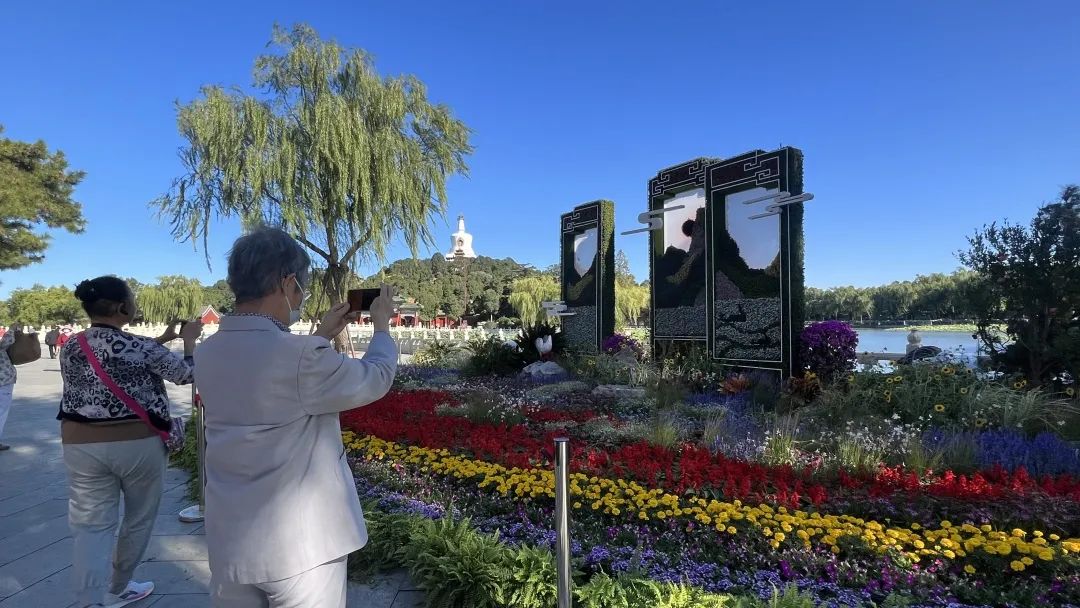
[562,521]
[196,513]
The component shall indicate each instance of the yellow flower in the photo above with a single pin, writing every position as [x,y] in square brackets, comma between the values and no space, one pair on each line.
[980,422]
[1019,384]
[963,390]
[1017,565]
[851,378]
[1046,555]
[939,408]
[1055,537]
[888,394]
[969,569]
[835,549]
[948,370]
[949,554]
[1027,561]
[731,530]
[577,505]
[1070,391]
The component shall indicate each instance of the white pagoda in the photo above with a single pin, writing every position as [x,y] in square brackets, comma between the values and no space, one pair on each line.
[460,242]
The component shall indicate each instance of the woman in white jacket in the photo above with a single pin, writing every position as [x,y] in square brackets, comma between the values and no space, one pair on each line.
[282,513]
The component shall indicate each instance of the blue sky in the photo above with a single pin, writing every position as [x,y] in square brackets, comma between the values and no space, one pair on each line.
[920,121]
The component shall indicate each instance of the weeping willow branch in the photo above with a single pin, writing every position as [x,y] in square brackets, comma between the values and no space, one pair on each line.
[173,298]
[336,154]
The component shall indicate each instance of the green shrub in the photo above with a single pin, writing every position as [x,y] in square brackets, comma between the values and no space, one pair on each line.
[694,369]
[439,353]
[854,454]
[781,440]
[483,407]
[666,393]
[920,459]
[388,540]
[547,392]
[488,356]
[664,431]
[532,579]
[603,591]
[187,459]
[456,566]
[508,322]
[944,396]
[791,597]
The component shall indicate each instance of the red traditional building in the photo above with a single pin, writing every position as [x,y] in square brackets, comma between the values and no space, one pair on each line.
[209,316]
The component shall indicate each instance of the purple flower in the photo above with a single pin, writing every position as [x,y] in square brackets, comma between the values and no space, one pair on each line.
[615,344]
[828,348]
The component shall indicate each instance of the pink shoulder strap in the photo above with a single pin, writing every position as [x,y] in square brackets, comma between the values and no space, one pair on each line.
[115,389]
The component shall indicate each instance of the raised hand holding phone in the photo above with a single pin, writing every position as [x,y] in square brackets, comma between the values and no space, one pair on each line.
[383,308]
[190,332]
[335,320]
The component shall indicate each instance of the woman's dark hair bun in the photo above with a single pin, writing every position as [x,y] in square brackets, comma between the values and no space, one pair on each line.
[86,292]
[99,296]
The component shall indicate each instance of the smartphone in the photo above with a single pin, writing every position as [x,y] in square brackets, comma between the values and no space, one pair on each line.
[361,299]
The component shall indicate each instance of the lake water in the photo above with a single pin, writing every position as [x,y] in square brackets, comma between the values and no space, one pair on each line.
[882,341]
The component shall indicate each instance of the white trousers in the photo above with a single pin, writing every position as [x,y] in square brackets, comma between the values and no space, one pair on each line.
[321,587]
[98,473]
[5,404]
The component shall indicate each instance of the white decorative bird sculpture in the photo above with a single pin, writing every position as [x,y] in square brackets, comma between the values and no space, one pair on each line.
[543,346]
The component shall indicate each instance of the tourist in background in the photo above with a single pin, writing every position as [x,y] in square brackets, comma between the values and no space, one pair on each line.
[108,447]
[51,338]
[65,335]
[282,511]
[7,382]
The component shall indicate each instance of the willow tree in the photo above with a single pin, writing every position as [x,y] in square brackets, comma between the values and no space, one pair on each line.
[344,159]
[173,298]
[528,295]
[631,300]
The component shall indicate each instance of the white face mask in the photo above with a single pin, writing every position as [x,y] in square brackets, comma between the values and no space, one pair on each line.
[294,314]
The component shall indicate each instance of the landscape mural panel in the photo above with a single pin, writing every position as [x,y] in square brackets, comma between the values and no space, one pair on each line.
[588,278]
[755,259]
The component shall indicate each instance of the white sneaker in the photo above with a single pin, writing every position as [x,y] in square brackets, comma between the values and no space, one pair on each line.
[133,593]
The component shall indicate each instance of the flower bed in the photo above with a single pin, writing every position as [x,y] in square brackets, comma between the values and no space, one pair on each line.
[722,546]
[726,525]
[410,417]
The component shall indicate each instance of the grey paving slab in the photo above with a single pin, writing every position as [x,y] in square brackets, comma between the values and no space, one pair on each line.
[35,537]
[377,595]
[177,548]
[52,591]
[23,520]
[35,543]
[39,565]
[409,599]
[172,578]
[190,600]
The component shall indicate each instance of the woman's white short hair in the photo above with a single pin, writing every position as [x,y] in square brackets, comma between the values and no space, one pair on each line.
[260,259]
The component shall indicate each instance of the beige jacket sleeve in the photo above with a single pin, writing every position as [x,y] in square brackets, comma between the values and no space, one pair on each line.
[331,382]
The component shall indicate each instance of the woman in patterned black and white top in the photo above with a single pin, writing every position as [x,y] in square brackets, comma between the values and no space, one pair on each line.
[108,448]
[7,381]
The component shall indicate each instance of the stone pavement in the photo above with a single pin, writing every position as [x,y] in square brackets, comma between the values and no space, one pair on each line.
[35,544]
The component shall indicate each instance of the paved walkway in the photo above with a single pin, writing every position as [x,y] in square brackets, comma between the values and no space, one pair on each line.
[35,544]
